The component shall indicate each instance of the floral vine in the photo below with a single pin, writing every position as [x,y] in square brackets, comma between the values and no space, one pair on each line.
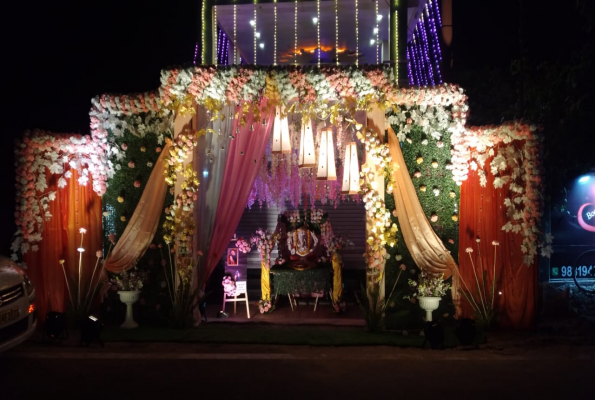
[382,231]
[518,167]
[179,225]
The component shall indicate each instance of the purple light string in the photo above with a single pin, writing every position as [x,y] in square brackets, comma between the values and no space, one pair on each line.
[430,69]
[219,45]
[195,53]
[423,52]
[422,62]
[437,12]
[409,70]
[222,47]
[435,43]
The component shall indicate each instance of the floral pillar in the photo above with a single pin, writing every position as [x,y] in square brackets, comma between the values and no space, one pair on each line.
[375,216]
[182,122]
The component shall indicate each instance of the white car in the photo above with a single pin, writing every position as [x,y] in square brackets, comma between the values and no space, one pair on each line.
[18,319]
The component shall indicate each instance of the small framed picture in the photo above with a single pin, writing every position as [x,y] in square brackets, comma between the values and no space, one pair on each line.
[232,257]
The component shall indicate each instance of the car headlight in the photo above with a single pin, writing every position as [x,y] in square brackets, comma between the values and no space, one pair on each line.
[28,285]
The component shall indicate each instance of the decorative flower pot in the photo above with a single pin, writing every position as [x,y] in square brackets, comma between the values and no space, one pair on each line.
[129,297]
[429,304]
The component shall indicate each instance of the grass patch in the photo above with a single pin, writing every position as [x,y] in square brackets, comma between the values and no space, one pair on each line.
[271,335]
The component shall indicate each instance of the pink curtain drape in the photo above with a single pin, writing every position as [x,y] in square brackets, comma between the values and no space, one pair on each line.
[243,163]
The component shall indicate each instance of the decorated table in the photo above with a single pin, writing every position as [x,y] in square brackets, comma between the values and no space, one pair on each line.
[288,280]
[296,282]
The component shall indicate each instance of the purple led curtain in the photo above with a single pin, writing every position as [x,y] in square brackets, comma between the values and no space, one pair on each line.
[223,45]
[423,51]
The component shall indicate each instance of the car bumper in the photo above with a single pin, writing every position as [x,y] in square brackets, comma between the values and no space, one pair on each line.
[18,339]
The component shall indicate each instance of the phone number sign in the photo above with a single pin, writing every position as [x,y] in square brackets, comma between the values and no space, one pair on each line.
[583,266]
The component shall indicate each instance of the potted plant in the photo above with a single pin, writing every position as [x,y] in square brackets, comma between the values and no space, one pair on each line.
[129,286]
[429,290]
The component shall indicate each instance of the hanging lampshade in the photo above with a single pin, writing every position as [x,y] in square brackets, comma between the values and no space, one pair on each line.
[307,158]
[281,143]
[351,170]
[327,170]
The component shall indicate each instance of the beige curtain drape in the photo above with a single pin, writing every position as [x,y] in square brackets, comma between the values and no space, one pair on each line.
[141,229]
[425,246]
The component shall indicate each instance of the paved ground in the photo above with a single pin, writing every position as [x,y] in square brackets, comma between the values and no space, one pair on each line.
[513,366]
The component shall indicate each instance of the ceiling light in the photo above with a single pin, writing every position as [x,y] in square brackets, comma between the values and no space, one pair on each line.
[252,23]
[379,17]
[375,31]
[257,34]
[262,45]
[372,41]
[314,20]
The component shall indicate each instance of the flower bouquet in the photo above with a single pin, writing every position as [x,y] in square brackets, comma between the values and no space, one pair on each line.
[336,243]
[428,285]
[131,280]
[264,242]
[429,290]
[243,245]
[229,286]
[280,261]
[316,216]
[265,306]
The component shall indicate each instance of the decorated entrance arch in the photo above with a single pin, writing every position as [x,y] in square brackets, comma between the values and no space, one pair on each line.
[193,104]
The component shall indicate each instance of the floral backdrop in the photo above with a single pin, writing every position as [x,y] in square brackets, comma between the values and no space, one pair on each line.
[428,159]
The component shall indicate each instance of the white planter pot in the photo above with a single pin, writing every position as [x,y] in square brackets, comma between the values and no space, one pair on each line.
[429,304]
[129,297]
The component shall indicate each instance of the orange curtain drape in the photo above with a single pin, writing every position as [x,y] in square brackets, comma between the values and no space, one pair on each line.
[482,215]
[75,207]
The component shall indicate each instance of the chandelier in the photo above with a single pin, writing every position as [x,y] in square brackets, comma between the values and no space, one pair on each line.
[327,170]
[350,170]
[307,157]
[281,142]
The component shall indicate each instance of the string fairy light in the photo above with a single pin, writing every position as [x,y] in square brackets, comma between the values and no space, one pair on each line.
[318,29]
[275,36]
[356,36]
[336,32]
[202,32]
[235,31]
[216,32]
[255,32]
[396,41]
[295,34]
[377,27]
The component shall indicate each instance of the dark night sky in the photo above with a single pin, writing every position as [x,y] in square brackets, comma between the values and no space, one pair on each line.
[60,56]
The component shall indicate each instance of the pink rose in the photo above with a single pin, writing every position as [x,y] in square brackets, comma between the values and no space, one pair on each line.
[137,184]
[99,254]
[158,149]
[124,146]
[131,164]
[153,246]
